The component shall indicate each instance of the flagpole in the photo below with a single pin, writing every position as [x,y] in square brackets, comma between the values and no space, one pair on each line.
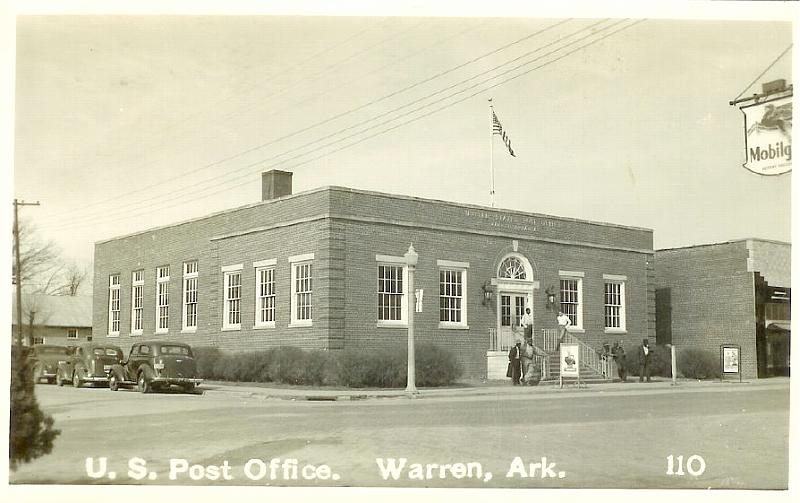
[491,147]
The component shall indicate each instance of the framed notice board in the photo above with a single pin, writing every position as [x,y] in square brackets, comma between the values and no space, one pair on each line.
[730,360]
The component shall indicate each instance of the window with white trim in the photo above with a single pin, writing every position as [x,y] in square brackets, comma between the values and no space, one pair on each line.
[571,297]
[302,285]
[265,296]
[162,299]
[189,323]
[232,318]
[38,340]
[113,304]
[614,302]
[137,302]
[392,305]
[452,296]
[72,333]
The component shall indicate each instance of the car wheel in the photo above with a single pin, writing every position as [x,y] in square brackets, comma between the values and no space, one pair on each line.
[76,380]
[188,388]
[144,384]
[51,380]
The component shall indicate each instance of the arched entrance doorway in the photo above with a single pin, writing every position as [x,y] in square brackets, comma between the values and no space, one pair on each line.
[514,288]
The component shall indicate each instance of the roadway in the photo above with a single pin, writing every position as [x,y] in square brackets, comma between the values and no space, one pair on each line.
[618,439]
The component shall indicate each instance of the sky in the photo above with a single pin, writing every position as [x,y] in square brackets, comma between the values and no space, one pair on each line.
[123,123]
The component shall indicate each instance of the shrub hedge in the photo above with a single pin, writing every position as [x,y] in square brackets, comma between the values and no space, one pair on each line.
[698,363]
[382,368]
[660,361]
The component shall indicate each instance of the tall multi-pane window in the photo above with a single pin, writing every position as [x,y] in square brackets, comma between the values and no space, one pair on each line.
[571,297]
[614,302]
[190,296]
[265,296]
[113,304]
[162,299]
[452,294]
[233,300]
[302,285]
[137,302]
[391,294]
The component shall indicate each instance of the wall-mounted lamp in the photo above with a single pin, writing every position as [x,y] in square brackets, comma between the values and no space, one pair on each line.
[487,292]
[551,297]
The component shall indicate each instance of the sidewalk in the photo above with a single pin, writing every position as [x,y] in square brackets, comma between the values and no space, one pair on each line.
[634,387]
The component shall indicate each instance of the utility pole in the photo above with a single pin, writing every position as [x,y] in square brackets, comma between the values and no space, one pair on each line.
[18,279]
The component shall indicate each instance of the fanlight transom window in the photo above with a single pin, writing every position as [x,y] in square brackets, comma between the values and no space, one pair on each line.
[512,268]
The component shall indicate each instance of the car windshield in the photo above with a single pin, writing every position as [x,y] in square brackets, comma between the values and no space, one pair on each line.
[174,350]
[51,351]
[105,351]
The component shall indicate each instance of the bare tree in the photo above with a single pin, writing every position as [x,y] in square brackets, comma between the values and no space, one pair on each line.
[70,279]
[43,268]
[39,260]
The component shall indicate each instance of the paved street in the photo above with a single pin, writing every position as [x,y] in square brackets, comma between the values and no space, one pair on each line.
[617,438]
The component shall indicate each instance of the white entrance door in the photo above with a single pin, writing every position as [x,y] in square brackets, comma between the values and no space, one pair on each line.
[512,307]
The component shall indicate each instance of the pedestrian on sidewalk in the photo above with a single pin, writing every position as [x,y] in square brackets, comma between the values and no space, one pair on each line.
[618,352]
[531,365]
[644,361]
[514,367]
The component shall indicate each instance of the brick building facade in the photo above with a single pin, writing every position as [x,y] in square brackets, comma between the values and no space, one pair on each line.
[738,292]
[324,269]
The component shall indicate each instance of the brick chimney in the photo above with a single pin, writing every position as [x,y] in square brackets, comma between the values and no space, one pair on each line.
[275,183]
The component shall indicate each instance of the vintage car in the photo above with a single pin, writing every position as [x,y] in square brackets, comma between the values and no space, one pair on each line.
[45,359]
[156,365]
[89,363]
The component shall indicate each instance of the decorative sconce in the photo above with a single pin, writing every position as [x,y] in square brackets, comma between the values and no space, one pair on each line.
[487,292]
[551,297]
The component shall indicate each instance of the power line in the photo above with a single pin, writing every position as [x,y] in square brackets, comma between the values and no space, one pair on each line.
[317,124]
[414,119]
[185,194]
[762,73]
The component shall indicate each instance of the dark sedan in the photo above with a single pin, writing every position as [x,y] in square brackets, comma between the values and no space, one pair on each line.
[45,359]
[89,363]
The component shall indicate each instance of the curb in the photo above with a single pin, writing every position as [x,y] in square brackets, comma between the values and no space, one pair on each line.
[550,390]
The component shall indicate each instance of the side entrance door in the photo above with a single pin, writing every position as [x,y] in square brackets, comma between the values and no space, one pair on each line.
[512,307]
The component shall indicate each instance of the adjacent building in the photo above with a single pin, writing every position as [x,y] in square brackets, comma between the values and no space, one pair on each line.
[324,269]
[54,319]
[738,292]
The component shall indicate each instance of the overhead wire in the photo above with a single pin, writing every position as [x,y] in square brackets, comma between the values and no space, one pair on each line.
[414,119]
[762,73]
[312,126]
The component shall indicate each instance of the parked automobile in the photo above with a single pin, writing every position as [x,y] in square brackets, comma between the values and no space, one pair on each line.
[156,365]
[89,363]
[45,359]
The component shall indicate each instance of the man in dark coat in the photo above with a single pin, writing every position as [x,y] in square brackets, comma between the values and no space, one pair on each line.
[515,369]
[644,361]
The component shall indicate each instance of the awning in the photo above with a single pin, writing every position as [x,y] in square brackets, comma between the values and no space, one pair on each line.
[780,326]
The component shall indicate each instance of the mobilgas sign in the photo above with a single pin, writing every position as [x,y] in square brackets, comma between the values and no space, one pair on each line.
[768,136]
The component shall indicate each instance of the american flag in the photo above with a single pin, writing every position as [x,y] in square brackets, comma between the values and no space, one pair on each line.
[497,129]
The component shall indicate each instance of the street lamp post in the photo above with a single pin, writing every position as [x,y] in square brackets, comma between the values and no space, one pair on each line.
[411,257]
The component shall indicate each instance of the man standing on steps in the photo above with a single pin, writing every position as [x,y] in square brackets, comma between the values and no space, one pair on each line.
[526,322]
[563,323]
[644,361]
[618,352]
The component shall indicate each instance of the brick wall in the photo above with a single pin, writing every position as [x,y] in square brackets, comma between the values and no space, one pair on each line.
[345,230]
[711,298]
[483,253]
